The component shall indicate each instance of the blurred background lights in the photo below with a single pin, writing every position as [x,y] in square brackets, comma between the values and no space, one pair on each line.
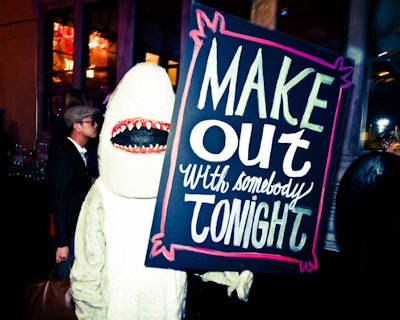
[284,11]
[382,124]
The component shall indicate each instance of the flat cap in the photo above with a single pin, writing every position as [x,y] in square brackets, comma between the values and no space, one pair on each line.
[78,113]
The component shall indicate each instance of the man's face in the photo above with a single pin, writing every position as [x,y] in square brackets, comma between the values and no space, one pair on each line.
[89,127]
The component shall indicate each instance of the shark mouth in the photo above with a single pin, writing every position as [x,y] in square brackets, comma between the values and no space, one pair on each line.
[140,135]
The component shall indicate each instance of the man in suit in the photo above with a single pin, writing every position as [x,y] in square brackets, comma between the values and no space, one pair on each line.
[69,182]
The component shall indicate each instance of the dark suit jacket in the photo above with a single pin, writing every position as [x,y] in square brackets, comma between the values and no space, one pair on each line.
[69,182]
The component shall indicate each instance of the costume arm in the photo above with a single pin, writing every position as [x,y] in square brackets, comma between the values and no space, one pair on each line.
[241,282]
[88,280]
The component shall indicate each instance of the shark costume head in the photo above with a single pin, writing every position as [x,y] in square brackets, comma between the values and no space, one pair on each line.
[135,130]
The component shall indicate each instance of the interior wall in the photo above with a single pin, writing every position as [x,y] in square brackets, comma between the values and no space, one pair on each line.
[18,34]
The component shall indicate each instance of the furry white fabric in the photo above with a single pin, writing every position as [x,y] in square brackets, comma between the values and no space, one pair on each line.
[109,279]
[241,282]
[146,92]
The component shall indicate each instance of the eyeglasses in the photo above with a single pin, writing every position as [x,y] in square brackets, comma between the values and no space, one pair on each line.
[92,122]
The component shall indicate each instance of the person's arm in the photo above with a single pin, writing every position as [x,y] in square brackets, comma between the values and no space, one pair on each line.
[88,273]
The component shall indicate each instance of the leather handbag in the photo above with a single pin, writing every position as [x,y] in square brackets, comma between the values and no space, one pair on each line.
[49,299]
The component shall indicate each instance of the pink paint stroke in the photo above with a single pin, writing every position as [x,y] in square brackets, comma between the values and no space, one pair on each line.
[159,248]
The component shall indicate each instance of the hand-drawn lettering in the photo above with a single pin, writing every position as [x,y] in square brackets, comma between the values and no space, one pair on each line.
[255,81]
[247,225]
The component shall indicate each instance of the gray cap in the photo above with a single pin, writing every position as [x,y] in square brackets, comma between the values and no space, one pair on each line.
[78,113]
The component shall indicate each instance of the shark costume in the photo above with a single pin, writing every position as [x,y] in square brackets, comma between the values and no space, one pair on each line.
[109,279]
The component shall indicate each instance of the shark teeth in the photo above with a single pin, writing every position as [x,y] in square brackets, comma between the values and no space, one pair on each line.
[136,149]
[139,123]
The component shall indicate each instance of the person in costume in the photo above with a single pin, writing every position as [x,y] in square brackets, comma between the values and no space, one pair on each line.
[109,279]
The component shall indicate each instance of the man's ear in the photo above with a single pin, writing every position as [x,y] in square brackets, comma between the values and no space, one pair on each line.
[77,127]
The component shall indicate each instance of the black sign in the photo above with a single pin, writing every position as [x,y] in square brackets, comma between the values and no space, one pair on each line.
[255,136]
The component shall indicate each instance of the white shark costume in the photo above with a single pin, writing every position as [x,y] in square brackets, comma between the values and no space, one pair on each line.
[109,279]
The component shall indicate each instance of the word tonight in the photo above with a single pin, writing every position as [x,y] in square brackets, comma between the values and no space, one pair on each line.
[247,222]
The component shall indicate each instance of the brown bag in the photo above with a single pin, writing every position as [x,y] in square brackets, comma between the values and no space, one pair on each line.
[49,299]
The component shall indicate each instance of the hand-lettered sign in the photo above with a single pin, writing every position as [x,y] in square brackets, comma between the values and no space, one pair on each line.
[254,137]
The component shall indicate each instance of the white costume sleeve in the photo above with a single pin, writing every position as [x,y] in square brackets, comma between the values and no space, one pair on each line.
[90,255]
